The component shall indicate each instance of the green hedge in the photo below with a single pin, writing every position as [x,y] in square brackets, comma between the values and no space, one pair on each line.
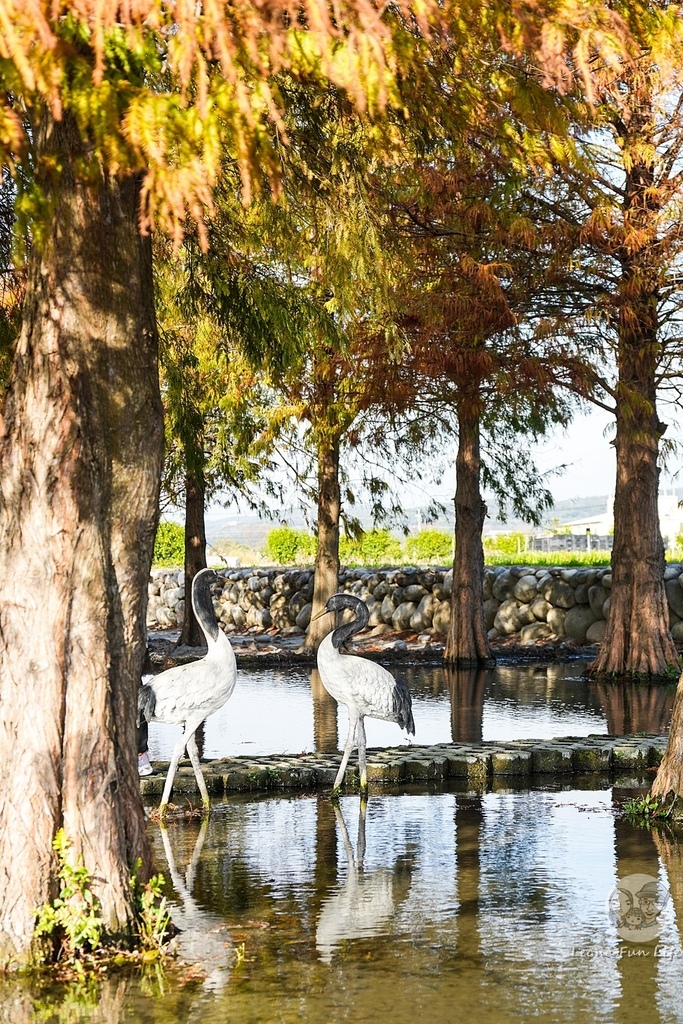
[430,547]
[287,546]
[374,547]
[169,545]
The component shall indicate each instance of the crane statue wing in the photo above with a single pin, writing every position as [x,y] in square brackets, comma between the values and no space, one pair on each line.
[375,691]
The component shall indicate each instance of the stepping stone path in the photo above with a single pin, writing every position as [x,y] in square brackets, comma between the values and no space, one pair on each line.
[478,763]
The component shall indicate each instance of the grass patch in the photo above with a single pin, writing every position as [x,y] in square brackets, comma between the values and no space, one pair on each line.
[564,560]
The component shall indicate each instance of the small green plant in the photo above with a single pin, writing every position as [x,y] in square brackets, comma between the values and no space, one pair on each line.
[73,918]
[169,544]
[154,917]
[506,544]
[72,924]
[647,810]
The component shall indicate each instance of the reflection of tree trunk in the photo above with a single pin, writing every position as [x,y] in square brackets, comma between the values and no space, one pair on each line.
[671,854]
[325,709]
[195,558]
[326,853]
[636,855]
[467,641]
[468,823]
[327,555]
[635,707]
[81,445]
[467,687]
[103,1002]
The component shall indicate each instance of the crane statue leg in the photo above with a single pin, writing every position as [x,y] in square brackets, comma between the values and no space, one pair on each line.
[353,722]
[196,764]
[172,768]
[362,758]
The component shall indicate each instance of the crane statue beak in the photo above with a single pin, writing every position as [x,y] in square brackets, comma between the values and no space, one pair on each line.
[320,614]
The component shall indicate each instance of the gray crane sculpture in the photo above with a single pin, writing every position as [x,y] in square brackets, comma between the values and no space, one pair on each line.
[187,694]
[363,686]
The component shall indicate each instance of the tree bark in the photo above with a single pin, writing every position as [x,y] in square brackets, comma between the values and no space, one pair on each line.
[669,777]
[81,447]
[637,640]
[195,558]
[467,643]
[326,578]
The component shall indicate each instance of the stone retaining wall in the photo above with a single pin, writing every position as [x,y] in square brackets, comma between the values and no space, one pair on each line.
[477,763]
[523,602]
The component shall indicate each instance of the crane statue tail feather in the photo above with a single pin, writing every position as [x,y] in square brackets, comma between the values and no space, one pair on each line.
[147,702]
[403,707]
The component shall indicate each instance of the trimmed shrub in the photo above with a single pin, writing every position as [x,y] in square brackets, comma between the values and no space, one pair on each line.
[169,544]
[430,546]
[374,547]
[286,546]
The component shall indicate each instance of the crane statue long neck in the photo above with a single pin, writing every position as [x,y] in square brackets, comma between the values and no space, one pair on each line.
[203,605]
[339,602]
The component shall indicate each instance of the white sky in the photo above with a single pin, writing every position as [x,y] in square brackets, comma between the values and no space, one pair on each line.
[589,457]
[584,447]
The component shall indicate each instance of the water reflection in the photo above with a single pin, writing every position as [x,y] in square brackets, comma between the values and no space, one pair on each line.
[204,938]
[275,711]
[366,901]
[636,707]
[324,716]
[467,689]
[443,906]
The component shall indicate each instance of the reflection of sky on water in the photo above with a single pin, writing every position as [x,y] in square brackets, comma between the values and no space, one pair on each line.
[456,906]
[271,710]
[440,908]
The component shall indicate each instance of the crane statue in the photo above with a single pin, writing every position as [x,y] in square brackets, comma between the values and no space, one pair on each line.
[187,694]
[363,686]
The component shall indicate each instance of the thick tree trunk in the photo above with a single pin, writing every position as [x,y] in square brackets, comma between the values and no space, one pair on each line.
[327,556]
[637,640]
[467,642]
[195,558]
[81,446]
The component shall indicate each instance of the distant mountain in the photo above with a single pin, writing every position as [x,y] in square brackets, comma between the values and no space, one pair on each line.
[249,529]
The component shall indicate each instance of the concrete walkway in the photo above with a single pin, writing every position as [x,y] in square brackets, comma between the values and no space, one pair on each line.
[473,762]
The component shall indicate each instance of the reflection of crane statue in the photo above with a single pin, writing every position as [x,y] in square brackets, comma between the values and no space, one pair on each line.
[366,902]
[364,687]
[187,694]
[204,938]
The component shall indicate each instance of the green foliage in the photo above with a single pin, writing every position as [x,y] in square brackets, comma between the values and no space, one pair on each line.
[430,546]
[287,546]
[169,545]
[565,559]
[73,921]
[647,811]
[154,917]
[373,547]
[505,544]
[73,917]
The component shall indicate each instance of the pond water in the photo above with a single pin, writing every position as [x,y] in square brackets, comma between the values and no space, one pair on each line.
[287,710]
[442,907]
